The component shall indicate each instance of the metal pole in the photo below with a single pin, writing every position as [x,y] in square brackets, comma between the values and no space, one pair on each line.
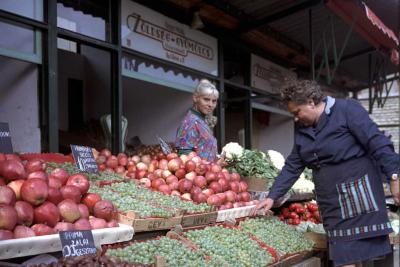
[220,130]
[50,78]
[116,80]
[310,31]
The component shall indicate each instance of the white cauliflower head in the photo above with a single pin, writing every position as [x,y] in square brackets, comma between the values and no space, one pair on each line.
[232,150]
[277,159]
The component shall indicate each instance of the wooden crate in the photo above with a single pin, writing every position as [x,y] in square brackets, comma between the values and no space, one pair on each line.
[256,184]
[191,220]
[148,224]
[320,240]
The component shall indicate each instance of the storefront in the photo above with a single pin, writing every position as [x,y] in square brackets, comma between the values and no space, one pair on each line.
[160,61]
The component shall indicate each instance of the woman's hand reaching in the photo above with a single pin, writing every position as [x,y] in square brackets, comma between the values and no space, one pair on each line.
[266,204]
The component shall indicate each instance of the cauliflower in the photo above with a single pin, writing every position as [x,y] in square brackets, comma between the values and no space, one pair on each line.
[232,150]
[276,158]
[303,185]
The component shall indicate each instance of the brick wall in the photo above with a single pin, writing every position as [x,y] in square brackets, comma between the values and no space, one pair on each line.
[389,114]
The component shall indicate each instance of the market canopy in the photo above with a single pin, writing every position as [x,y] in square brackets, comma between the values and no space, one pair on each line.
[368,25]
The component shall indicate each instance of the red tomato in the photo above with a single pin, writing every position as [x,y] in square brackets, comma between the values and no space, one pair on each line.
[290,221]
[293,215]
[312,207]
[285,212]
[296,221]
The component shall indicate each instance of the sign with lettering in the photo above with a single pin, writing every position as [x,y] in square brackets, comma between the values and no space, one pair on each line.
[152,33]
[268,76]
[84,159]
[199,219]
[77,243]
[5,138]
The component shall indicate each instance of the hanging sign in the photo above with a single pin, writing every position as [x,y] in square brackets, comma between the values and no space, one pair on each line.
[5,138]
[268,76]
[77,243]
[152,33]
[84,159]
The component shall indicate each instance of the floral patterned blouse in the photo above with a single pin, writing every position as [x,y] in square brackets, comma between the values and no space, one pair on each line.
[195,135]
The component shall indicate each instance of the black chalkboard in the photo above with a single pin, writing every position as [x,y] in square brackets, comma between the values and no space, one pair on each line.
[84,158]
[77,243]
[5,138]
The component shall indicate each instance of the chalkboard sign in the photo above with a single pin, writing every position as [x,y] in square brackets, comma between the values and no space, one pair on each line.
[84,158]
[77,243]
[5,138]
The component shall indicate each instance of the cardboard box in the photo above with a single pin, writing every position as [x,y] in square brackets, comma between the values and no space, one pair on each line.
[256,184]
[311,262]
[148,224]
[320,240]
[191,220]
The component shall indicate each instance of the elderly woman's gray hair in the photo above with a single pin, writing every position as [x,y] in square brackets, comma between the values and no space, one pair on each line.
[205,87]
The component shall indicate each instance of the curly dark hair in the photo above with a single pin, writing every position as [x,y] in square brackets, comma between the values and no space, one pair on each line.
[301,91]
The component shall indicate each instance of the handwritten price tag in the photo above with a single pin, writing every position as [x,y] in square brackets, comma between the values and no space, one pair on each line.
[84,158]
[77,243]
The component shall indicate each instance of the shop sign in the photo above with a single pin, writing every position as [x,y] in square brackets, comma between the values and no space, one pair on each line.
[268,76]
[151,33]
[5,138]
[77,243]
[84,158]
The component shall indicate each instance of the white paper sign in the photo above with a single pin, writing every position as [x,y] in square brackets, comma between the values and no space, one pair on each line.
[152,33]
[268,76]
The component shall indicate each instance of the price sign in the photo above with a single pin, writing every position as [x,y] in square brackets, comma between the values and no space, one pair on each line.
[84,159]
[5,138]
[77,243]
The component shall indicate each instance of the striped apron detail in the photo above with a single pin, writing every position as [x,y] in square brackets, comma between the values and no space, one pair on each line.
[359,230]
[356,198]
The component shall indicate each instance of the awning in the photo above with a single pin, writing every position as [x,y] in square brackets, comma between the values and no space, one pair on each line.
[368,25]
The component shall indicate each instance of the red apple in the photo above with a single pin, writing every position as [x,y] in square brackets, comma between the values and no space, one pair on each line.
[60,174]
[12,170]
[69,210]
[24,213]
[47,213]
[79,180]
[55,183]
[112,224]
[34,191]
[8,217]
[42,229]
[104,209]
[39,175]
[83,211]
[90,200]
[54,196]
[7,195]
[82,224]
[97,223]
[71,192]
[16,187]
[34,165]
[6,234]
[22,231]
[64,226]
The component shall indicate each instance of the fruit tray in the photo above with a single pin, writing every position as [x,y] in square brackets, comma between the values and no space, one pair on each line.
[21,247]
[235,213]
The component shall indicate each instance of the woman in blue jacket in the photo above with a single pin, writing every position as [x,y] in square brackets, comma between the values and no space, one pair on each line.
[340,143]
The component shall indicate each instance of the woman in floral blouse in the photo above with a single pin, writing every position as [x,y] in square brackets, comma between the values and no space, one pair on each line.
[195,132]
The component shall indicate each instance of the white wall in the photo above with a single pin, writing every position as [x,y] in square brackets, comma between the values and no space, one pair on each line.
[153,110]
[70,66]
[19,103]
[278,135]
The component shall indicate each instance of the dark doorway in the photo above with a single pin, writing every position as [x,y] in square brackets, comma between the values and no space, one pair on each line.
[75,104]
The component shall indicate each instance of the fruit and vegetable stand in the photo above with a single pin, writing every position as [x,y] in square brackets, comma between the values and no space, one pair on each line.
[133,202]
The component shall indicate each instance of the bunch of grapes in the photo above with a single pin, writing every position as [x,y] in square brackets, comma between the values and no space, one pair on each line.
[276,234]
[230,247]
[173,251]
